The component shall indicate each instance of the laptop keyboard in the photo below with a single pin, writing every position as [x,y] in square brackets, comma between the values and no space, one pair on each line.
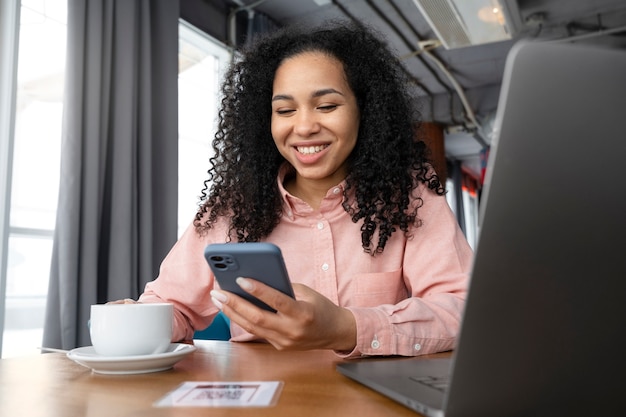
[439,383]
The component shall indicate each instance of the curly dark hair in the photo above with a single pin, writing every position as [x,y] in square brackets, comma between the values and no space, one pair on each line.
[385,168]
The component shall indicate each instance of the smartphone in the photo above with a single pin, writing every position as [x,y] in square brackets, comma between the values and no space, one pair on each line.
[259,260]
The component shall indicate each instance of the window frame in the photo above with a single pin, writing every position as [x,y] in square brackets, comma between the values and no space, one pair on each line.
[9,41]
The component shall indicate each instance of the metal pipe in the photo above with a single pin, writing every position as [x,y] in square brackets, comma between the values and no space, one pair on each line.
[469,113]
[590,35]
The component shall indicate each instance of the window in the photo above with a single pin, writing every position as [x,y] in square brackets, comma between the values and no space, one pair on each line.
[36,156]
[202,62]
[35,173]
[470,205]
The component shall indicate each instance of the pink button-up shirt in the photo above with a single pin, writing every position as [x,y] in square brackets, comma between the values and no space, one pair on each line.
[407,300]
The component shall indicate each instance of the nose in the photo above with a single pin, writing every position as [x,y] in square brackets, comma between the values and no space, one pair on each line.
[305,123]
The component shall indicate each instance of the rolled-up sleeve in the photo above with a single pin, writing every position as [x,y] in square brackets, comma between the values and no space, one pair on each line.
[185,280]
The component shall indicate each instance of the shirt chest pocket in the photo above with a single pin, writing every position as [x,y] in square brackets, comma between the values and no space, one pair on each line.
[378,288]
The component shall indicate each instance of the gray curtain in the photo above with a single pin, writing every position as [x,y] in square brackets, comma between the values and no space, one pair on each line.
[116,216]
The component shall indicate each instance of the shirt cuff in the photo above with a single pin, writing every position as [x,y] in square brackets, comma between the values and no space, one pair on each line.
[377,336]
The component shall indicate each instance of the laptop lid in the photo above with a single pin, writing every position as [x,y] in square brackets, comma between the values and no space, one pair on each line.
[547,299]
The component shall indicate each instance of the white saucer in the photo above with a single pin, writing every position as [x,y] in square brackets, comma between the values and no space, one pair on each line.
[138,364]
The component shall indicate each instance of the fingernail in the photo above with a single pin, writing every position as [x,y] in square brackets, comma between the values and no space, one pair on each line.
[244,283]
[219,296]
[217,303]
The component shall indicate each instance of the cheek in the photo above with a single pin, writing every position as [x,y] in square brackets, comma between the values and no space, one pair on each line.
[351,132]
[278,130]
[279,135]
[346,124]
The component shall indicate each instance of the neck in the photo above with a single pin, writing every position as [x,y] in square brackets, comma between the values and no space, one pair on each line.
[311,192]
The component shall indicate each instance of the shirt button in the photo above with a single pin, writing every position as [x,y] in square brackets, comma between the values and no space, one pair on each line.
[336,190]
[417,346]
[325,267]
[320,225]
[375,344]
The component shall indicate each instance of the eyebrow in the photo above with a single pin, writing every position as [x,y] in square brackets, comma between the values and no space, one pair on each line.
[317,93]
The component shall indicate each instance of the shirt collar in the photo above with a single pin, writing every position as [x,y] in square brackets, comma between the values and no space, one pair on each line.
[293,206]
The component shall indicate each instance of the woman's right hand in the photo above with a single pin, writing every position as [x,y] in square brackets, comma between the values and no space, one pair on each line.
[124,301]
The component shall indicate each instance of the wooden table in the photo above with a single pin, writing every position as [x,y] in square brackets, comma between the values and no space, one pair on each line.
[51,385]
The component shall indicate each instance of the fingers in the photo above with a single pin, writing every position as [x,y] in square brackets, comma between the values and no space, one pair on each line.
[270,296]
[310,322]
[124,301]
[218,298]
[265,293]
[248,316]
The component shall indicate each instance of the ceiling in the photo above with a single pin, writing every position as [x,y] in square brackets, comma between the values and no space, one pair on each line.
[467,82]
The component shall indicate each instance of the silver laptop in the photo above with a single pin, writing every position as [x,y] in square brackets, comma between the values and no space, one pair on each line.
[546,312]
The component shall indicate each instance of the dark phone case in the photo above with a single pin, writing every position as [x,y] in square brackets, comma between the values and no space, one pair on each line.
[259,260]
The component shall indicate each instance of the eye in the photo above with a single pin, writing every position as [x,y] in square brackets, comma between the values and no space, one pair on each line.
[327,107]
[284,111]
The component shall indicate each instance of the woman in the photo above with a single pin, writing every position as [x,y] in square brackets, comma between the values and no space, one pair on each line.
[316,152]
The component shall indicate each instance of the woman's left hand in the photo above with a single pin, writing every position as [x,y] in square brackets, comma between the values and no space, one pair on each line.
[311,321]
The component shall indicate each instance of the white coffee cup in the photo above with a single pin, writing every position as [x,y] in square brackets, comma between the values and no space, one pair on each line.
[131,329]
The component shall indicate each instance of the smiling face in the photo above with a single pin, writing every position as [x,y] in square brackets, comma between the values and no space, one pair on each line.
[315,118]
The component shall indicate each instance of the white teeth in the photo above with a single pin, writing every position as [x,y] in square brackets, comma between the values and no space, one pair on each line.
[307,150]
